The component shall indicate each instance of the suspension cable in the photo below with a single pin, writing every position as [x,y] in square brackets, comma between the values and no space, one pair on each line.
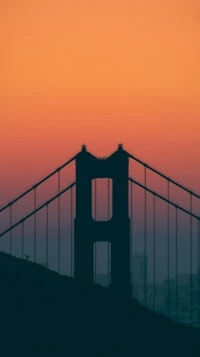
[168,250]
[47,236]
[191,262]
[145,237]
[58,223]
[35,203]
[131,237]
[71,209]
[37,210]
[154,252]
[38,184]
[164,199]
[164,176]
[198,260]
[95,245]
[11,229]
[108,242]
[22,240]
[176,264]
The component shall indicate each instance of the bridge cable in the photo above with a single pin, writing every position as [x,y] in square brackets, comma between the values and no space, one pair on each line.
[154,252]
[198,259]
[38,184]
[47,237]
[11,229]
[58,223]
[145,237]
[95,245]
[176,249]
[71,209]
[164,199]
[22,240]
[131,238]
[168,249]
[164,176]
[108,242]
[191,262]
[37,210]
[35,224]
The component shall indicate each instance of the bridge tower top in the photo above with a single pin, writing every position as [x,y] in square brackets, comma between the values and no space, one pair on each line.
[83,147]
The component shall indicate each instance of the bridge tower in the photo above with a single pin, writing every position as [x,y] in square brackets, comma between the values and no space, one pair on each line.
[116,231]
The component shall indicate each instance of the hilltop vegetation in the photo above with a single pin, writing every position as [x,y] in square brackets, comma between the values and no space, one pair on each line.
[44,314]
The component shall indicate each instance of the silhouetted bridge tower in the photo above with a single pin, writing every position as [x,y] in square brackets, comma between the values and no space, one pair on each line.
[116,230]
[144,220]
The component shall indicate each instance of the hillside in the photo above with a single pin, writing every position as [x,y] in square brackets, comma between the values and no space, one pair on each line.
[44,314]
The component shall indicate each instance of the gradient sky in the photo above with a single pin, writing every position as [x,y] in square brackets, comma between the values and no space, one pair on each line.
[99,72]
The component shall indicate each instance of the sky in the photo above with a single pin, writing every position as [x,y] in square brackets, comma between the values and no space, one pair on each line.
[100,73]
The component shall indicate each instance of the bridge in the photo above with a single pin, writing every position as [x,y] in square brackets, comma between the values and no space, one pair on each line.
[146,242]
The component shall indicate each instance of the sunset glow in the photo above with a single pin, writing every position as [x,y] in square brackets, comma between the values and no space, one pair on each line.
[99,72]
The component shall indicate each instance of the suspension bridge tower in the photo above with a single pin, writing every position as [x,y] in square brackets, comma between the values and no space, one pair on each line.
[116,230]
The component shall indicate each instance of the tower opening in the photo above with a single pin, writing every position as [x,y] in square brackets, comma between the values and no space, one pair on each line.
[102,263]
[102,191]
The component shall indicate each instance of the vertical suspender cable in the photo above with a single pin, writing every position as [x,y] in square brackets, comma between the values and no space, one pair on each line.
[154,252]
[198,260]
[168,252]
[176,264]
[22,239]
[71,209]
[34,225]
[145,238]
[47,238]
[131,238]
[95,245]
[59,222]
[191,263]
[11,229]
[108,242]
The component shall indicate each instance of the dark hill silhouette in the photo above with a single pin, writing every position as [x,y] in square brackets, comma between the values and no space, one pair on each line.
[44,314]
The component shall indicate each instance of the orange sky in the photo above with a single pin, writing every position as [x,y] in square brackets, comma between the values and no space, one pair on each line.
[99,72]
